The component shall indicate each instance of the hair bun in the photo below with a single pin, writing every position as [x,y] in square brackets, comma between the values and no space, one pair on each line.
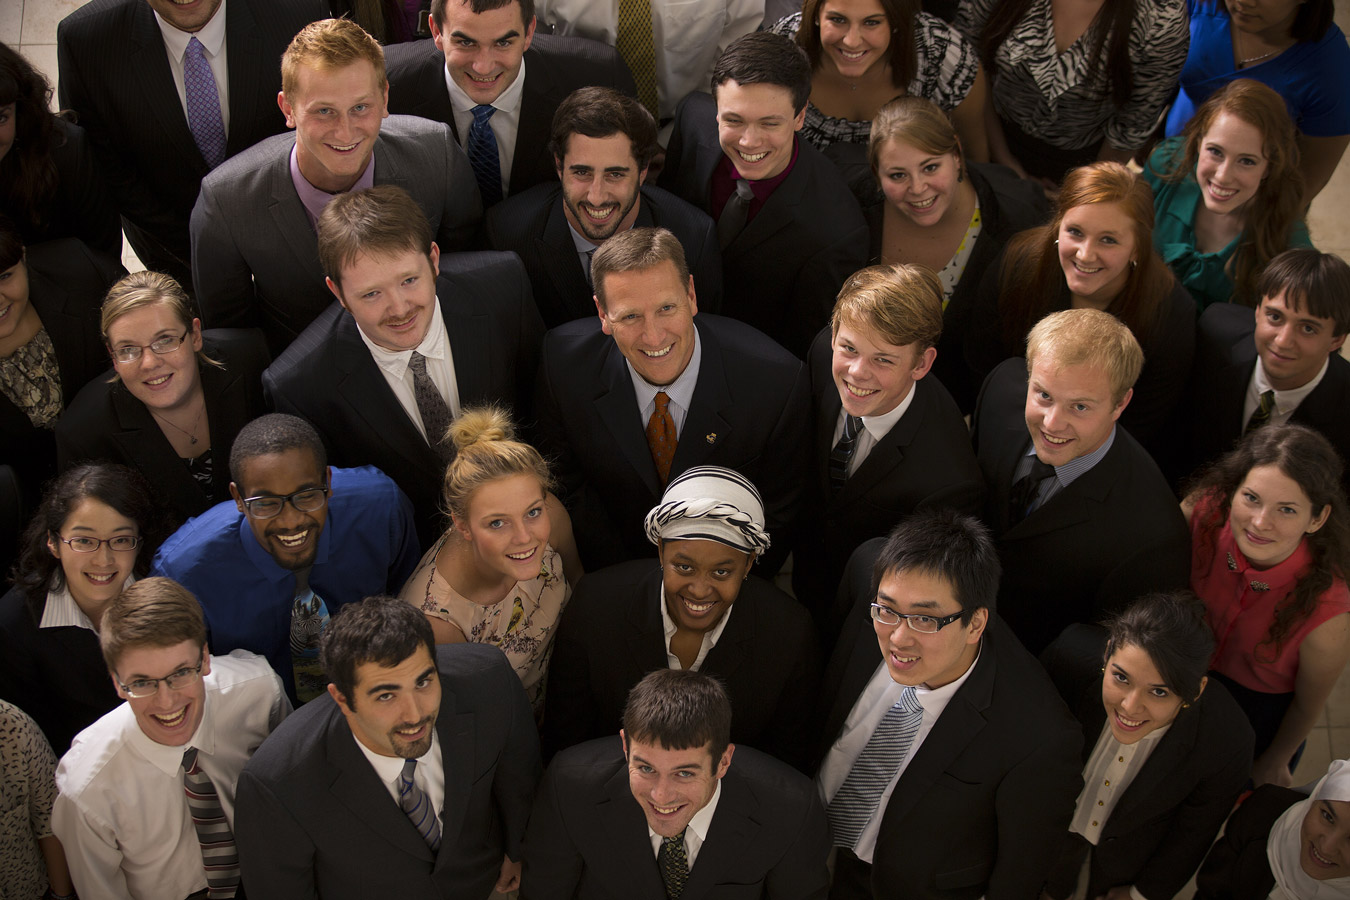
[480,424]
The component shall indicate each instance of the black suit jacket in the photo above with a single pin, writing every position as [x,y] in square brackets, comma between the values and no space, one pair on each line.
[1237,867]
[313,818]
[533,226]
[115,75]
[106,422]
[612,634]
[782,273]
[555,66]
[983,803]
[329,377]
[924,462]
[750,412]
[1225,355]
[66,284]
[1113,535]
[1163,824]
[588,840]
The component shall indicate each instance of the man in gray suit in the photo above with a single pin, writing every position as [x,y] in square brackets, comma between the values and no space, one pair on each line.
[403,781]
[254,260]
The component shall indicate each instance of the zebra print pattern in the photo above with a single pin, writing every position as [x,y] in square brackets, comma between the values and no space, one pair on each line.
[1053,96]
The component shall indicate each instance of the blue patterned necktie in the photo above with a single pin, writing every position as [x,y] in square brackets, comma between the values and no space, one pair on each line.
[482,151]
[203,104]
[417,805]
[856,801]
[220,857]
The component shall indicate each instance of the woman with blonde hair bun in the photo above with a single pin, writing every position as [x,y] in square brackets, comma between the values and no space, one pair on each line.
[502,573]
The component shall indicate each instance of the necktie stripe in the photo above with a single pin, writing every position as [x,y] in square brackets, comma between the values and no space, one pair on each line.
[220,856]
[856,801]
[417,806]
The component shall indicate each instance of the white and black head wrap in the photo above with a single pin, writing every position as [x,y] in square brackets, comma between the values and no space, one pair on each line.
[710,503]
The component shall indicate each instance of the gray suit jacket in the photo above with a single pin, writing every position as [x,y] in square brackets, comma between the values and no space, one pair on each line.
[254,255]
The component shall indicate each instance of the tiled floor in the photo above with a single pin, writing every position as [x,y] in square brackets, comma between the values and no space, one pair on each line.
[31,24]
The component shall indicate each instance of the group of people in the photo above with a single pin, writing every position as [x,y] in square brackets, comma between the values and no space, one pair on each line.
[983,534]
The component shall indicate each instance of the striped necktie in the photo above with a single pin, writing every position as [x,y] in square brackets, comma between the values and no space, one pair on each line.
[842,454]
[1261,415]
[220,857]
[856,801]
[417,805]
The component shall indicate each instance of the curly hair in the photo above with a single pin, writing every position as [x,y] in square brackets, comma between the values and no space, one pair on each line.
[28,176]
[1308,459]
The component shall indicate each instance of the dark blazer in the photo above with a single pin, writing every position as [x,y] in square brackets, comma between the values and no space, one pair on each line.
[533,226]
[782,273]
[81,206]
[750,412]
[115,75]
[1163,824]
[329,377]
[588,839]
[985,800]
[56,675]
[555,66]
[313,819]
[1225,355]
[1168,349]
[611,635]
[1237,867]
[255,255]
[66,284]
[1112,536]
[925,461]
[106,422]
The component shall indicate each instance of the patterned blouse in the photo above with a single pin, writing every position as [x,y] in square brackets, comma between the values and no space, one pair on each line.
[27,792]
[31,379]
[522,623]
[1052,96]
[947,66]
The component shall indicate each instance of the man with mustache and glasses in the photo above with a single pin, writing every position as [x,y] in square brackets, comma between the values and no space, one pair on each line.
[299,541]
[404,781]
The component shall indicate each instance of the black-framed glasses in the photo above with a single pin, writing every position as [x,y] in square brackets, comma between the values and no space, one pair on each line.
[123,543]
[306,500]
[920,623]
[148,687]
[160,347]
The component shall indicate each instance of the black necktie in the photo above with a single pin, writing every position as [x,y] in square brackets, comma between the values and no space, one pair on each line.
[735,213]
[1261,415]
[1027,488]
[674,865]
[842,453]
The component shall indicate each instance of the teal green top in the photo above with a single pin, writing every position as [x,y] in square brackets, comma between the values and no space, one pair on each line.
[1174,205]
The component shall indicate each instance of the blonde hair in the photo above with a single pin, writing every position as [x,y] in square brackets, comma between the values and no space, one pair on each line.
[486,449]
[330,44]
[153,612]
[901,303]
[139,290]
[1089,337]
[916,121]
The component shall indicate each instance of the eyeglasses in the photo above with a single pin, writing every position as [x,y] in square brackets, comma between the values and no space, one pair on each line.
[307,500]
[160,347]
[123,543]
[148,687]
[922,624]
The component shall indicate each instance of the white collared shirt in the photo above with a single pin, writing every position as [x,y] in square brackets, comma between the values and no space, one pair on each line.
[121,813]
[881,693]
[697,832]
[680,391]
[1109,771]
[505,122]
[710,637]
[394,367]
[429,774]
[1285,401]
[212,38]
[874,429]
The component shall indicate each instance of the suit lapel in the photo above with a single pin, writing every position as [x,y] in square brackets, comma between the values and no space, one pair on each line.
[142,442]
[537,104]
[624,832]
[559,255]
[289,219]
[617,408]
[778,212]
[1076,503]
[428,86]
[149,62]
[711,411]
[1134,805]
[734,827]
[243,38]
[456,736]
[828,406]
[648,646]
[472,346]
[888,453]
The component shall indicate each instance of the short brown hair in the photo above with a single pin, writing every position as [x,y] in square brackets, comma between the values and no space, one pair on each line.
[917,121]
[600,112]
[380,221]
[330,44]
[477,7]
[486,449]
[901,303]
[382,630]
[153,612]
[637,250]
[1311,280]
[678,709]
[1089,337]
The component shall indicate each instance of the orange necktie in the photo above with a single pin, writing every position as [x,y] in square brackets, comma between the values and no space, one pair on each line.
[661,436]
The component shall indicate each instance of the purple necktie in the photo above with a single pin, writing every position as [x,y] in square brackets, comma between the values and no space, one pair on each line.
[203,104]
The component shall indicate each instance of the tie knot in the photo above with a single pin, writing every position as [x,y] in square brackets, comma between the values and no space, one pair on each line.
[482,112]
[852,425]
[676,839]
[418,363]
[744,190]
[662,401]
[190,760]
[909,700]
[409,767]
[194,47]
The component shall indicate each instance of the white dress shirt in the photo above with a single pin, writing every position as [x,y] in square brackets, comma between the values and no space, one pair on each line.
[122,815]
[874,429]
[1285,401]
[881,693]
[680,391]
[697,832]
[505,122]
[398,375]
[212,38]
[429,774]
[710,637]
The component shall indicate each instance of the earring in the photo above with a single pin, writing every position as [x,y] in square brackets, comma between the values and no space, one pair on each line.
[1185,705]
[1057,244]
[960,175]
[1134,264]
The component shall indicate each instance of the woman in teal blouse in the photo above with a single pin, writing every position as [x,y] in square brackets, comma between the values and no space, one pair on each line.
[1228,195]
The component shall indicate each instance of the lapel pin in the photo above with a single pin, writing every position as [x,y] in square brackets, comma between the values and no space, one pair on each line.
[711,438]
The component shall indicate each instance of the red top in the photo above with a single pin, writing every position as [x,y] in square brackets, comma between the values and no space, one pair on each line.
[1240,603]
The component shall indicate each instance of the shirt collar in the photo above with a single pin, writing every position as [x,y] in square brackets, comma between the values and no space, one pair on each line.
[712,637]
[508,101]
[935,700]
[702,819]
[1076,468]
[680,391]
[434,346]
[62,611]
[580,242]
[211,36]
[314,199]
[389,768]
[880,426]
[1286,401]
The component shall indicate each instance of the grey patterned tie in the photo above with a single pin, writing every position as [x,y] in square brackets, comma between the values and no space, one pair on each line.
[431,406]
[417,805]
[220,857]
[856,801]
